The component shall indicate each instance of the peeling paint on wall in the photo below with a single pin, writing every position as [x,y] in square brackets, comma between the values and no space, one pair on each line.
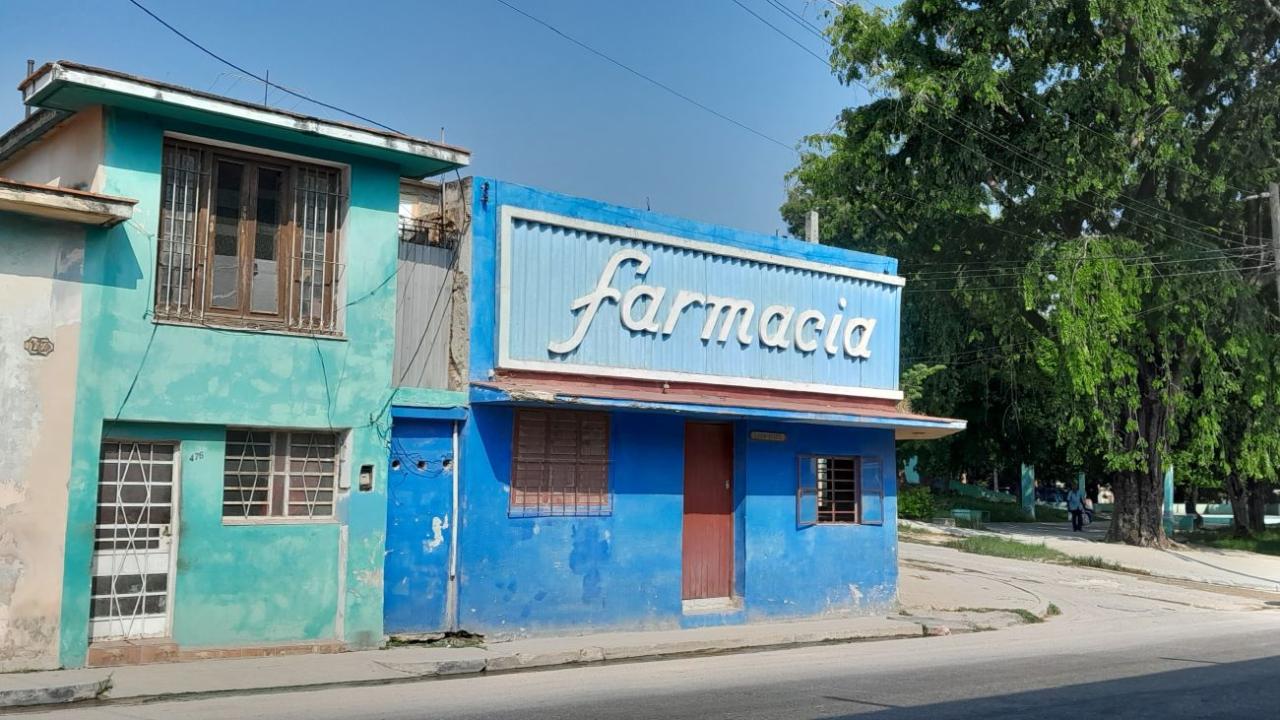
[40,293]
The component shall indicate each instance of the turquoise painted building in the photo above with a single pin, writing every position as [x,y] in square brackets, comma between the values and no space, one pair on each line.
[229,361]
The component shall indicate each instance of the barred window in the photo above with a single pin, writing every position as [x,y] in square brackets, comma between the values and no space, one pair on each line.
[560,463]
[247,241]
[280,474]
[833,489]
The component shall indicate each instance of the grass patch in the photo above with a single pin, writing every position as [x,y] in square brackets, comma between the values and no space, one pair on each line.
[944,503]
[1014,550]
[1267,543]
[1025,615]
[1053,611]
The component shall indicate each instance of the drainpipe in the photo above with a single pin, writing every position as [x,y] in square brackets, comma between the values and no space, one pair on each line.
[451,597]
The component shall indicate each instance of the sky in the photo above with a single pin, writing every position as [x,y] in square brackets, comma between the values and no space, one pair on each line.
[531,106]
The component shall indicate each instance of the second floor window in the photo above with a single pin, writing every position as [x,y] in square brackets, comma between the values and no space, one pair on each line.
[248,241]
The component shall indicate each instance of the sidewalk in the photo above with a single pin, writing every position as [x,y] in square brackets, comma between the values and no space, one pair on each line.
[931,603]
[1229,568]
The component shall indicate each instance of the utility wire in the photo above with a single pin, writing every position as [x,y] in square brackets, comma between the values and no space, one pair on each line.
[255,76]
[643,76]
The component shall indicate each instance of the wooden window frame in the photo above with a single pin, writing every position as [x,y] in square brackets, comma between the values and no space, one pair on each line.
[806,466]
[279,504]
[545,499]
[288,316]
[247,236]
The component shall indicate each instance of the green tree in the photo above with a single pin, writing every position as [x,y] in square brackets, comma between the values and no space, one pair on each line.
[1063,182]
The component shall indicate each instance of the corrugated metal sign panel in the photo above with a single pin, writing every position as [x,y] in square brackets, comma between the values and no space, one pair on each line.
[568,287]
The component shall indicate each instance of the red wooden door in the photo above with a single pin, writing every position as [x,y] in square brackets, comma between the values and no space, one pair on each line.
[708,511]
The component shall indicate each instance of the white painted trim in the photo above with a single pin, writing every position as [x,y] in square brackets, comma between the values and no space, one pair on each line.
[699,378]
[180,98]
[175,515]
[508,213]
[451,593]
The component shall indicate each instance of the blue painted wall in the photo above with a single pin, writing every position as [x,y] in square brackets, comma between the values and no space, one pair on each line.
[419,514]
[530,576]
[533,575]
[551,265]
[490,194]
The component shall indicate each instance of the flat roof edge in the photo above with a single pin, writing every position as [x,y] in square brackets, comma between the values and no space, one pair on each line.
[44,82]
[56,203]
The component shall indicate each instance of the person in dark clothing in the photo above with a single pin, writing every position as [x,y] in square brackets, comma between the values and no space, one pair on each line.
[1075,506]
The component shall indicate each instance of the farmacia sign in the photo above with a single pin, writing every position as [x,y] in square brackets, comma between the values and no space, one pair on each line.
[646,309]
[590,298]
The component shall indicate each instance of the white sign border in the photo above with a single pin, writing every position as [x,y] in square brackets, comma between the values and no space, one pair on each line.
[507,214]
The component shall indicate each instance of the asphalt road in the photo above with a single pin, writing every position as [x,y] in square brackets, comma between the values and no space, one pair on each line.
[1228,668]
[1125,647]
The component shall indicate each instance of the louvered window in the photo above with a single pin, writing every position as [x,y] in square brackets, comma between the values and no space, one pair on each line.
[560,463]
[280,474]
[248,241]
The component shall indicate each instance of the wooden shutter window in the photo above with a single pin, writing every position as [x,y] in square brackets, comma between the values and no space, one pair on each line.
[560,463]
[248,241]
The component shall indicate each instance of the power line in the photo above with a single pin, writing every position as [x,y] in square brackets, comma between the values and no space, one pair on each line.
[643,76]
[255,76]
[813,29]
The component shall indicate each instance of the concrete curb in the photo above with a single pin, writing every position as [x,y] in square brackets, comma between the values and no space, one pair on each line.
[97,693]
[54,694]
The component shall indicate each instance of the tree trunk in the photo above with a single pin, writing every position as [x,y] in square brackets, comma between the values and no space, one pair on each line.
[1139,512]
[1259,494]
[1238,495]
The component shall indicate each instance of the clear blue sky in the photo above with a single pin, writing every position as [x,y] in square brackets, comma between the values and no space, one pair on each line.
[532,107]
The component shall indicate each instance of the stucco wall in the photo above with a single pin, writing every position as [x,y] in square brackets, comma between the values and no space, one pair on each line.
[241,585]
[68,156]
[40,266]
[531,576]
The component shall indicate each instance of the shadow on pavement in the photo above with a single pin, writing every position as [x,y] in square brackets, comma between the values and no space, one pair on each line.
[1208,689]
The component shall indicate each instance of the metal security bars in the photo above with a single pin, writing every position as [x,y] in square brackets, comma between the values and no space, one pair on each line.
[560,464]
[181,251]
[248,241]
[129,589]
[316,213]
[280,474]
[426,231]
[828,489]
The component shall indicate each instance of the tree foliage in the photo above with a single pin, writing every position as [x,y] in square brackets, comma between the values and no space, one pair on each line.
[1064,183]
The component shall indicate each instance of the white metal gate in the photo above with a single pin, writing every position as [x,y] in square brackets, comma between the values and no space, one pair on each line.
[133,539]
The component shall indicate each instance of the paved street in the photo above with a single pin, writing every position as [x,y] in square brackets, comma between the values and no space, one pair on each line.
[1125,647]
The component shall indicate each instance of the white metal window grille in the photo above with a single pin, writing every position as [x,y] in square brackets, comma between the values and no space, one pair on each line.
[132,540]
[560,464]
[280,474]
[248,241]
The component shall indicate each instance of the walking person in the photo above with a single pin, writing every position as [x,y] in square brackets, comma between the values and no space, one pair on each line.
[1075,506]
